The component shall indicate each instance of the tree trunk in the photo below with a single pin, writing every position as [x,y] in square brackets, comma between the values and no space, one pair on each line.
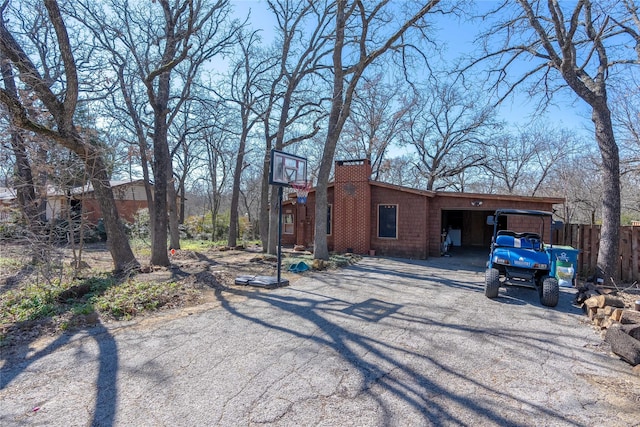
[610,231]
[630,316]
[235,192]
[264,206]
[148,190]
[159,221]
[162,172]
[272,246]
[174,230]
[25,188]
[117,240]
[181,193]
[320,249]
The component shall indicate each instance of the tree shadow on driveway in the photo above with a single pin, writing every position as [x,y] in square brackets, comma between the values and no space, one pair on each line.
[383,364]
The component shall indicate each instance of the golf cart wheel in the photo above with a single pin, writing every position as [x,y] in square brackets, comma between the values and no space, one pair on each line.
[550,292]
[491,283]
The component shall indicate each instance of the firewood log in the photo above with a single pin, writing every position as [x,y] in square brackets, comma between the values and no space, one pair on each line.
[624,345]
[630,316]
[604,300]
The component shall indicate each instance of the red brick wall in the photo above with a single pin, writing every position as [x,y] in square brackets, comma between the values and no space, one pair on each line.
[412,223]
[419,215]
[352,221]
[126,209]
[304,219]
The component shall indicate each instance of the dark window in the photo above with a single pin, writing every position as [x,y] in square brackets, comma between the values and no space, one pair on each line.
[388,221]
[329,212]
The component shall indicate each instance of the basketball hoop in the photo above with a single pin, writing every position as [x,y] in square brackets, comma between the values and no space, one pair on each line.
[302,190]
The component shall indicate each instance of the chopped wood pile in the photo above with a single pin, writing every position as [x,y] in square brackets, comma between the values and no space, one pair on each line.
[615,313]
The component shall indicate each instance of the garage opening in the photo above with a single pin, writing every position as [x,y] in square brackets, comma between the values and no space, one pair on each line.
[468,228]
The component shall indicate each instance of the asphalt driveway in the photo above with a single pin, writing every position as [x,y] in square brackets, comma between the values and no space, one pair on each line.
[384,342]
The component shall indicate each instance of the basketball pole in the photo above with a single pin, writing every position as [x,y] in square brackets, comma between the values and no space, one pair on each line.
[279,231]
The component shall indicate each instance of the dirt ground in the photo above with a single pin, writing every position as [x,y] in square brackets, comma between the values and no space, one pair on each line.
[200,274]
[224,264]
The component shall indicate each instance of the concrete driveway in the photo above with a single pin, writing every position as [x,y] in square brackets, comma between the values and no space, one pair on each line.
[384,342]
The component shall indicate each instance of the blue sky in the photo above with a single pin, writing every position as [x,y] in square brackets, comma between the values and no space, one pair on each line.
[458,36]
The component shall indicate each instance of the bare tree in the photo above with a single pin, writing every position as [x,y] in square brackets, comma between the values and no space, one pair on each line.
[508,158]
[247,76]
[61,103]
[626,117]
[163,47]
[219,158]
[574,45]
[360,47]
[522,161]
[447,127]
[24,183]
[576,178]
[303,32]
[400,171]
[376,118]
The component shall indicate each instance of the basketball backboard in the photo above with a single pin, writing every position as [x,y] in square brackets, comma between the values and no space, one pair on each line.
[287,168]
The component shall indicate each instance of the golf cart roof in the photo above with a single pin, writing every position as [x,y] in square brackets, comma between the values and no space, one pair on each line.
[522,212]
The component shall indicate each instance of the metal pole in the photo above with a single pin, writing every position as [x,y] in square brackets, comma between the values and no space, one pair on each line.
[279,231]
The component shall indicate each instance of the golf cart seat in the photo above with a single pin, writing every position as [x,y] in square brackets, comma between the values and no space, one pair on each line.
[527,242]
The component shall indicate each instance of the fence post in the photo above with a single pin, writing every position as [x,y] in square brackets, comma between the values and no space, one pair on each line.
[635,253]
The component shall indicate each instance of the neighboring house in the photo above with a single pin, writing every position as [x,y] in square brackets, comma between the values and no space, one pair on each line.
[7,204]
[129,196]
[365,215]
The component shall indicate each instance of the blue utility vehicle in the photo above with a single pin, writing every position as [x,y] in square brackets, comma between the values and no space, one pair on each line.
[524,259]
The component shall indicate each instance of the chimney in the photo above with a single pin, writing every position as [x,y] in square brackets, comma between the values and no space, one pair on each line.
[352,206]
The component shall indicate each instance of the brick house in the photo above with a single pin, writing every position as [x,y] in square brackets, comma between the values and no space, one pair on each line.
[129,197]
[365,215]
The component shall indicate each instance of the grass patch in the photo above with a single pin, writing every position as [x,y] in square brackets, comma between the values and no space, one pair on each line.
[132,297]
[140,247]
[37,301]
[11,263]
[197,245]
[58,302]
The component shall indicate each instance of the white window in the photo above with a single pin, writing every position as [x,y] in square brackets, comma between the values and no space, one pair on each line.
[287,223]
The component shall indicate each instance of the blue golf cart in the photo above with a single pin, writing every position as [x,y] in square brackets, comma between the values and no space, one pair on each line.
[524,259]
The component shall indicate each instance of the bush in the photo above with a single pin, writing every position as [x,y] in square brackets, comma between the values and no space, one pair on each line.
[140,227]
[100,230]
[12,231]
[200,226]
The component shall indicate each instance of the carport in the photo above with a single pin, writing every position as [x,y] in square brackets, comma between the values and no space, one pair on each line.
[467,228]
[465,215]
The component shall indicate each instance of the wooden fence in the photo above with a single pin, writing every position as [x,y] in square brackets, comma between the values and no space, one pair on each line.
[586,238]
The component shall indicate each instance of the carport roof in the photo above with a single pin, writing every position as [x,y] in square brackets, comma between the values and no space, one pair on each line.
[426,193]
[455,194]
[505,197]
[479,196]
